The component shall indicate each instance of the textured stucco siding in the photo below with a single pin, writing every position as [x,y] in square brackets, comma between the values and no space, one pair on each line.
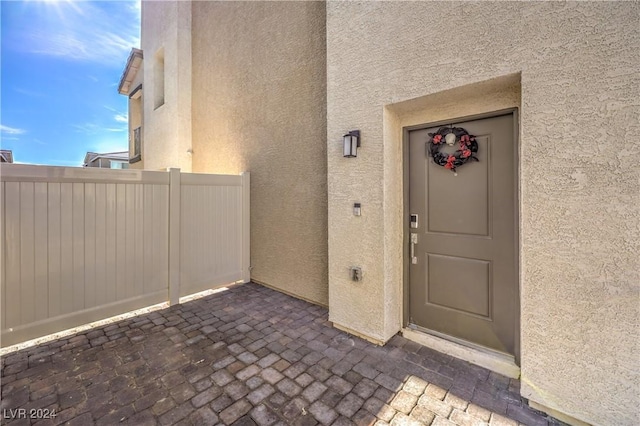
[167,129]
[579,106]
[259,104]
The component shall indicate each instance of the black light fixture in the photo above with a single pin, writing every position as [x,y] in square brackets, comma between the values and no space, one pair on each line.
[351,143]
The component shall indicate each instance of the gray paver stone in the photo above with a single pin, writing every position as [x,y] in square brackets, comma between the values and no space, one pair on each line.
[206,396]
[268,360]
[203,416]
[236,390]
[365,388]
[331,398]
[489,402]
[293,409]
[339,385]
[220,403]
[222,377]
[235,411]
[323,413]
[363,417]
[319,373]
[176,414]
[271,375]
[525,415]
[247,357]
[202,384]
[277,400]
[342,421]
[263,415]
[295,370]
[379,409]
[314,391]
[254,382]
[304,380]
[349,405]
[162,406]
[260,393]
[388,382]
[228,360]
[248,372]
[182,393]
[341,368]
[288,387]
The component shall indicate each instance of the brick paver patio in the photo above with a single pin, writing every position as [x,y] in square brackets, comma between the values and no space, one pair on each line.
[249,356]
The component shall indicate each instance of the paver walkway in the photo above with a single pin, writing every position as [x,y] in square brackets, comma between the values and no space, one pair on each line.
[247,356]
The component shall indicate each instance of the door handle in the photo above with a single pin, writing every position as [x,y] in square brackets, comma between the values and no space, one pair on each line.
[414,241]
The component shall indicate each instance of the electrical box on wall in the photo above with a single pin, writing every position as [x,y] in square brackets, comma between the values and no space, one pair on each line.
[357,209]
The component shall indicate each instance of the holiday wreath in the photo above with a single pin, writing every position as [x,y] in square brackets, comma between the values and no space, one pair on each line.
[451,135]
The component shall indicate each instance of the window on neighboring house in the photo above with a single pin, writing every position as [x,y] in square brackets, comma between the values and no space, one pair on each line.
[135,125]
[119,165]
[158,79]
[137,141]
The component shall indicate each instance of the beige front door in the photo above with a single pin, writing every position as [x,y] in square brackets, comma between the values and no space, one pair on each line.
[463,277]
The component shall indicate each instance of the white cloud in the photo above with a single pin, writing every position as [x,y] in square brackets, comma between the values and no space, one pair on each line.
[136,6]
[88,128]
[11,130]
[102,32]
[96,129]
[120,117]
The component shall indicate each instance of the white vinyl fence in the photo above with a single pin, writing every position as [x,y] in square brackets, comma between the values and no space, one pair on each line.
[80,245]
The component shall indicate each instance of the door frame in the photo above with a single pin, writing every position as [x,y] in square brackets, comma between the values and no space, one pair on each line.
[516,218]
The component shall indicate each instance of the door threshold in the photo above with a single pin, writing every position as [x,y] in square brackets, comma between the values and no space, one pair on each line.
[498,362]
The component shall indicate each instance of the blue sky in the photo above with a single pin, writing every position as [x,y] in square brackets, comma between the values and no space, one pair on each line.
[61,63]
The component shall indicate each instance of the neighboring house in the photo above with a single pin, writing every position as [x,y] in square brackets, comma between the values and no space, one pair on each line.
[6,156]
[107,160]
[525,261]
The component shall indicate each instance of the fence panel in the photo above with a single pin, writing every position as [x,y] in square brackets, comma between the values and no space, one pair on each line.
[211,231]
[80,245]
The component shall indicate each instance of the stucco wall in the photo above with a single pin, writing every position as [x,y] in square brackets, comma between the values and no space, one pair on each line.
[259,104]
[578,67]
[167,128]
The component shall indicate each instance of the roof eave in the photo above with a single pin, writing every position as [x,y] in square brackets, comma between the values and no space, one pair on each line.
[130,71]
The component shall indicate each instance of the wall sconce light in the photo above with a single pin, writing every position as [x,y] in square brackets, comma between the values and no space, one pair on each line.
[351,143]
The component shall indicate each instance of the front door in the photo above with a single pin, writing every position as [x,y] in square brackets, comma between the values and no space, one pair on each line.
[462,279]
